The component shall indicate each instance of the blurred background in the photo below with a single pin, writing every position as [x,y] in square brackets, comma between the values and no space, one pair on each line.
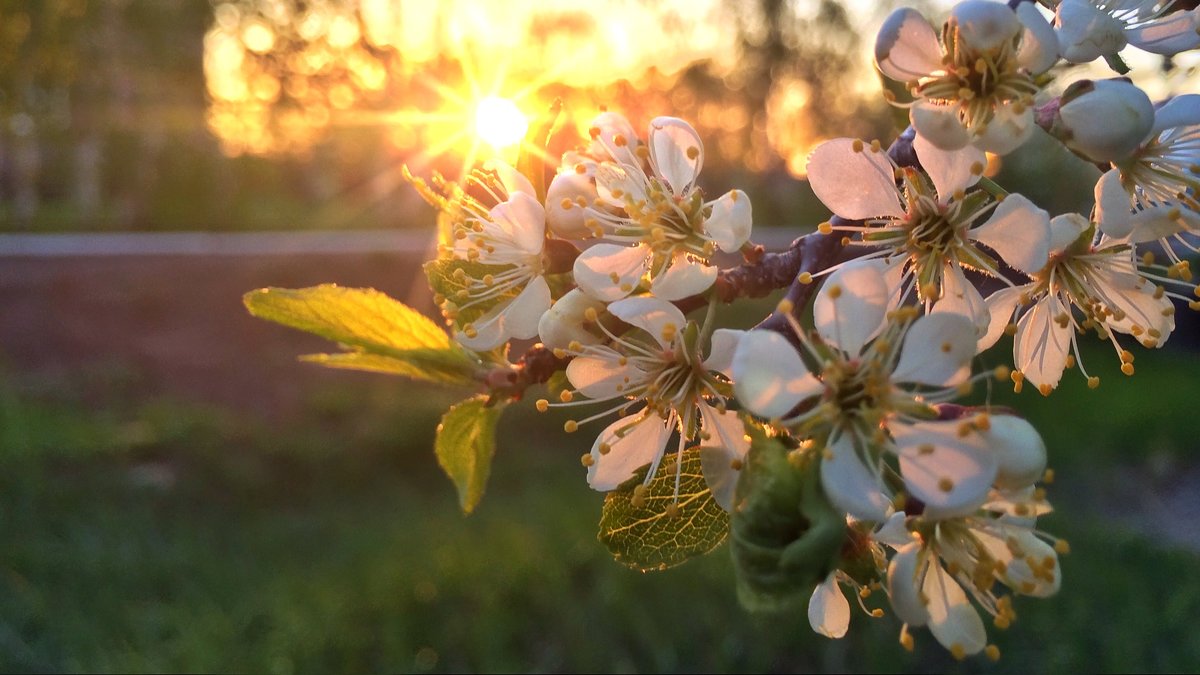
[178,493]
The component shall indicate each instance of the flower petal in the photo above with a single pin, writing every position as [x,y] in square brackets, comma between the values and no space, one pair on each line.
[1001,306]
[1174,33]
[1019,449]
[1086,33]
[610,272]
[683,278]
[768,376]
[950,170]
[730,222]
[851,306]
[1026,573]
[939,124]
[659,318]
[564,215]
[953,620]
[720,354]
[854,185]
[949,472]
[937,351]
[605,130]
[632,442]
[1181,111]
[521,318]
[1112,205]
[564,323]
[959,296]
[489,331]
[907,47]
[904,583]
[599,374]
[828,610]
[1019,231]
[1039,44]
[1041,345]
[1009,128]
[620,185]
[894,532]
[726,443]
[676,153]
[523,218]
[852,486]
[1066,230]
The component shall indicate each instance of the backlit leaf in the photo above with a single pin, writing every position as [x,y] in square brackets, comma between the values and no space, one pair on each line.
[466,441]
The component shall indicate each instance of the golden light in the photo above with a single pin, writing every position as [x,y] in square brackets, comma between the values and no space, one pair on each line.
[499,122]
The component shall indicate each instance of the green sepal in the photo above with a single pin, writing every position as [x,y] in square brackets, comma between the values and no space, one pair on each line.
[465,444]
[646,537]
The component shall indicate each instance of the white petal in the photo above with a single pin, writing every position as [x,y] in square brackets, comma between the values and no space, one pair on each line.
[959,296]
[937,351]
[768,376]
[720,354]
[1169,35]
[1019,449]
[726,443]
[950,170]
[683,278]
[512,180]
[489,331]
[950,473]
[850,485]
[522,316]
[907,47]
[939,124]
[894,532]
[1142,312]
[594,269]
[851,306]
[1159,222]
[1112,205]
[1009,128]
[659,318]
[1109,122]
[1085,33]
[676,153]
[568,222]
[984,25]
[904,583]
[1001,306]
[1181,111]
[642,444]
[828,610]
[1039,44]
[607,126]
[1067,228]
[523,217]
[619,185]
[1019,231]
[730,222]
[1041,345]
[600,375]
[1018,570]
[854,185]
[563,323]
[953,620]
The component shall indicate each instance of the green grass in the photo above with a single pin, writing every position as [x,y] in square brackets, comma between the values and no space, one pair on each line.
[163,536]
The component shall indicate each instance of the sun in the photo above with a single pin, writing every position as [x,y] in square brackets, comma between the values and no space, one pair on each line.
[499,122]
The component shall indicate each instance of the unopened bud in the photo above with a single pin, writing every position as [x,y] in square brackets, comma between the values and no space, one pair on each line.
[1106,120]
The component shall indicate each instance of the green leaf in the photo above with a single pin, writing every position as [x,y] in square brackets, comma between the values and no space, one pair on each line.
[466,441]
[381,334]
[646,537]
[441,276]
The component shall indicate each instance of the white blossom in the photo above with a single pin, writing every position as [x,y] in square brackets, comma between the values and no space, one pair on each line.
[1090,29]
[1106,120]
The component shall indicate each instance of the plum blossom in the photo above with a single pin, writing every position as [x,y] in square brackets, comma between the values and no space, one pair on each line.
[1105,120]
[655,222]
[976,84]
[655,378]
[1090,29]
[869,397]
[924,230]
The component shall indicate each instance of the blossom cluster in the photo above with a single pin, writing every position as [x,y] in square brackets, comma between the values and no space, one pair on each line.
[606,263]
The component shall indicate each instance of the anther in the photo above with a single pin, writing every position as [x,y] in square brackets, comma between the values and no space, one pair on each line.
[542,405]
[825,227]
[566,396]
[834,292]
[571,426]
[693,152]
[587,459]
[805,278]
[992,652]
[857,145]
[785,306]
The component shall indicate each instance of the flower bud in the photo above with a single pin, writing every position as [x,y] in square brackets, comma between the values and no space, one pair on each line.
[1105,120]
[1086,33]
[983,25]
[564,322]
[564,214]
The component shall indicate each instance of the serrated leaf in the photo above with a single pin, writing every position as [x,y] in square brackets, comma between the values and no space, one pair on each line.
[647,538]
[369,323]
[466,441]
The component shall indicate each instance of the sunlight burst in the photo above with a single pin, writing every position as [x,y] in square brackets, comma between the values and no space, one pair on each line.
[499,122]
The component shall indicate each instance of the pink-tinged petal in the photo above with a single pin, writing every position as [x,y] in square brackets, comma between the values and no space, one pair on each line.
[893,277]
[852,486]
[513,181]
[1041,345]
[950,170]
[683,278]
[905,579]
[851,307]
[768,376]
[730,222]
[1108,120]
[937,351]
[724,441]
[854,185]
[1009,128]
[828,610]
[620,185]
[564,215]
[521,318]
[595,268]
[632,442]
[600,375]
[984,25]
[1039,44]
[894,532]
[1112,206]
[489,331]
[1169,35]
[1001,306]
[1066,230]
[607,127]
[959,296]
[953,620]
[524,219]
[907,47]
[1181,111]
[720,354]
[949,472]
[564,322]
[939,124]
[659,318]
[1019,449]
[676,153]
[1019,231]
[1086,33]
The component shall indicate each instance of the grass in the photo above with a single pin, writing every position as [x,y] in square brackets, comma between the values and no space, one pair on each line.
[163,536]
